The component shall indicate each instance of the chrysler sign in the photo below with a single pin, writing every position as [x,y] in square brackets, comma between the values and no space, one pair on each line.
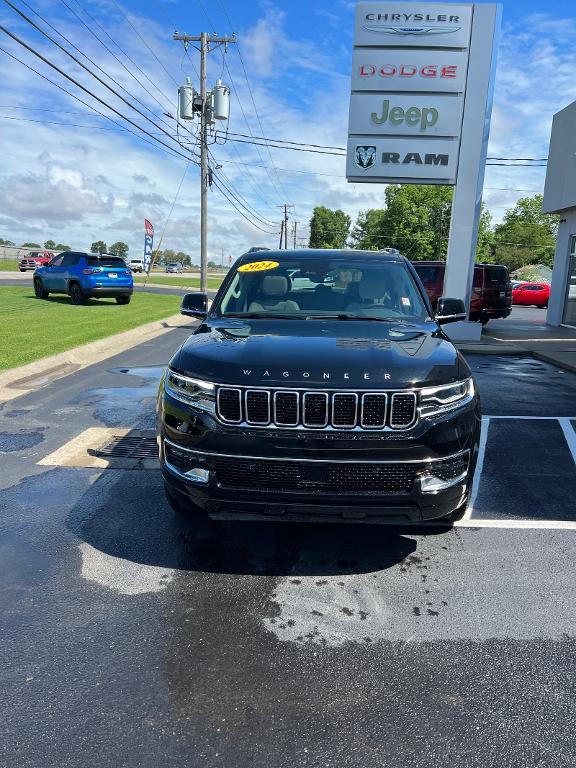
[402,24]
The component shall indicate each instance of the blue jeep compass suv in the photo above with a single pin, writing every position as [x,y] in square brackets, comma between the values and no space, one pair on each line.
[83,276]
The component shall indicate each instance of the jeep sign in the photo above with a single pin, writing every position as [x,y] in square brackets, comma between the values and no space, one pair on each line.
[388,114]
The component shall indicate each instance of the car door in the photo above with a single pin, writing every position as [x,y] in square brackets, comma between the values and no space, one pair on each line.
[69,264]
[53,275]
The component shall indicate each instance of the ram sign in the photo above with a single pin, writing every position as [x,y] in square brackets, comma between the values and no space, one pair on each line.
[410,71]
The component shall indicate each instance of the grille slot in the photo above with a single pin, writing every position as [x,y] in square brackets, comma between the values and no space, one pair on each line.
[315,405]
[257,406]
[374,410]
[229,407]
[402,410]
[344,407]
[286,408]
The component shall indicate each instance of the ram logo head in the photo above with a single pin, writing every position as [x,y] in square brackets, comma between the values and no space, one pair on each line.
[365,156]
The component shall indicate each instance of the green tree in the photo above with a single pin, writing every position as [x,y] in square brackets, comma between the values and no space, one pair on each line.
[183,258]
[99,246]
[5,242]
[50,245]
[367,232]
[328,228]
[416,221]
[30,245]
[526,235]
[61,247]
[119,249]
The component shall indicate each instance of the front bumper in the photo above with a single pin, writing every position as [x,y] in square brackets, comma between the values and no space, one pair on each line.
[238,473]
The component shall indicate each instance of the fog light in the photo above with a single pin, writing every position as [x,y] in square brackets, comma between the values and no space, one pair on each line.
[432,484]
[198,475]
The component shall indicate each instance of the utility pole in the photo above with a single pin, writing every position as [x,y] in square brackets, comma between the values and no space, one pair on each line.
[207,43]
[281,233]
[295,225]
[285,224]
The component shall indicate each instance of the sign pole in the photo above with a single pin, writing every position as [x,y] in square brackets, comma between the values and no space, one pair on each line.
[467,199]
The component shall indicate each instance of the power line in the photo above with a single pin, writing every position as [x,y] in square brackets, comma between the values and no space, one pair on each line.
[117,58]
[86,90]
[87,69]
[226,14]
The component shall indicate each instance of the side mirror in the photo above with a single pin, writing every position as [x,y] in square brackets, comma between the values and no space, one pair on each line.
[450,311]
[194,305]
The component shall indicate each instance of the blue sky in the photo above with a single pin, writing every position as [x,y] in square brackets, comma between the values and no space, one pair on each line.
[77,184]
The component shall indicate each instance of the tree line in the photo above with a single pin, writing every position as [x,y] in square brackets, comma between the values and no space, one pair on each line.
[415,220]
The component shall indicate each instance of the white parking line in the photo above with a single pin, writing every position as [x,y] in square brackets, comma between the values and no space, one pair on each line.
[569,434]
[534,418]
[479,466]
[565,525]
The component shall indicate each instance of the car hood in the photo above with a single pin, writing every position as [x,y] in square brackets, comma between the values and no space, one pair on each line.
[330,353]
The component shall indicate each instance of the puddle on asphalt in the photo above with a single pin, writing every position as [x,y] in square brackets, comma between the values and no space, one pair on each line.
[19,441]
[125,405]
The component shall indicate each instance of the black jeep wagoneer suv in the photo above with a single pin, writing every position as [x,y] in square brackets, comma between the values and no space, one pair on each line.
[319,386]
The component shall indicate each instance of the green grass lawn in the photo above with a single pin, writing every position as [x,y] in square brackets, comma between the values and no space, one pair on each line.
[9,266]
[181,282]
[34,328]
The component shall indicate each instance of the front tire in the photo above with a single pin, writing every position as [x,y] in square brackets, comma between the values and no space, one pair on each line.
[39,291]
[76,295]
[123,299]
[21,270]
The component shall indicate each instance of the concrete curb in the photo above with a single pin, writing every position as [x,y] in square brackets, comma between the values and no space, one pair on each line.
[17,381]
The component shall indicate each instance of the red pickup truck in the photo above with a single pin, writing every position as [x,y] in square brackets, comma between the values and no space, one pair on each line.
[35,259]
[491,288]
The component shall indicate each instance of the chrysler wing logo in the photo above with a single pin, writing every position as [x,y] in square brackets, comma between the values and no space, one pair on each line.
[410,30]
[365,156]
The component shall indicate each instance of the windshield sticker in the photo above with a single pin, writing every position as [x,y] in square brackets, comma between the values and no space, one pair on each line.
[258,266]
[405,301]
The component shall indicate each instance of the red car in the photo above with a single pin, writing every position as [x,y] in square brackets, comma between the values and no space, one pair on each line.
[531,294]
[35,259]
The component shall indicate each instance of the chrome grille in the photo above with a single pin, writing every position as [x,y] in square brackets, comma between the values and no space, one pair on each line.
[374,411]
[403,410]
[316,409]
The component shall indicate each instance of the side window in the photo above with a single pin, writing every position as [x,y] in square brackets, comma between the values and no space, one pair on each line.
[56,262]
[70,259]
[428,275]
[478,280]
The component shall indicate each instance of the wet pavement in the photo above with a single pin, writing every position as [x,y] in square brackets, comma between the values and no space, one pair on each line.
[133,638]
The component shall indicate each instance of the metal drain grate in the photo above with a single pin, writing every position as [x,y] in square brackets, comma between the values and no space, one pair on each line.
[129,447]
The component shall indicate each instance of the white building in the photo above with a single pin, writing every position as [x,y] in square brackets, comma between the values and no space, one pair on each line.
[560,197]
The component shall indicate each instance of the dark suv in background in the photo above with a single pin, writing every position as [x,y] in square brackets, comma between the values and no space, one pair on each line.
[83,276]
[491,288]
[319,386]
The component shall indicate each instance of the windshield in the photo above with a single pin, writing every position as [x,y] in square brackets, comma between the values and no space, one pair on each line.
[346,288]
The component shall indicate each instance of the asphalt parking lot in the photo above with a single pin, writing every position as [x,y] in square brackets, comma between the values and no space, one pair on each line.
[132,638]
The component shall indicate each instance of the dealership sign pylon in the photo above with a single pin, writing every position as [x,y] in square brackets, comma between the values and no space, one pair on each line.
[420,107]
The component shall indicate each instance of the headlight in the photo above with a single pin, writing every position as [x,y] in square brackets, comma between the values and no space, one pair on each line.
[199,394]
[438,400]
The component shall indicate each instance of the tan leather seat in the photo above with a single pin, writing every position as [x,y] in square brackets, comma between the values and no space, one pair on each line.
[272,297]
[373,291]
